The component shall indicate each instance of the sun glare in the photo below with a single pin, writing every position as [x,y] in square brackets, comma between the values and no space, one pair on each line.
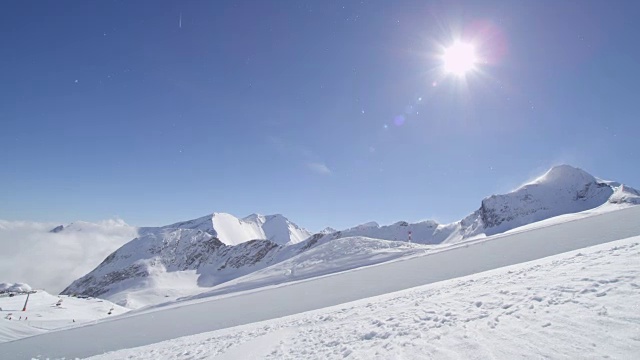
[459,58]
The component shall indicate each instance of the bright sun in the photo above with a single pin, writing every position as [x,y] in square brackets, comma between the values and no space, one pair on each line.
[459,58]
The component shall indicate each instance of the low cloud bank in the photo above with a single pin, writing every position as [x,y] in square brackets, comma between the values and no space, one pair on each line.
[30,253]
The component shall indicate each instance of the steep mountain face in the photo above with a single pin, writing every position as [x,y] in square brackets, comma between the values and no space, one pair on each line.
[562,190]
[185,258]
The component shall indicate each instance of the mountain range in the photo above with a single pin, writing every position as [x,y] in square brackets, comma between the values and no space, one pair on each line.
[189,257]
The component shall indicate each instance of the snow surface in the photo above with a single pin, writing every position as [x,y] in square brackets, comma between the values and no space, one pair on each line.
[223,311]
[43,315]
[334,256]
[581,304]
[160,287]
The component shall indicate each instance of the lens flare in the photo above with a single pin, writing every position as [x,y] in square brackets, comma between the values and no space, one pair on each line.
[459,58]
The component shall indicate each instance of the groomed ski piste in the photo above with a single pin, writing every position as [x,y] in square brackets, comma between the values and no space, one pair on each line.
[46,312]
[577,304]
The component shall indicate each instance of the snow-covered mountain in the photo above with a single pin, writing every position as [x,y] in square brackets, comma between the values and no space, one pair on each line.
[328,230]
[111,226]
[184,258]
[187,258]
[231,230]
[561,190]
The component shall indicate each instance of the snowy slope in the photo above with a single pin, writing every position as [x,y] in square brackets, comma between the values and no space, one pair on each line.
[327,258]
[161,266]
[43,315]
[581,304]
[196,316]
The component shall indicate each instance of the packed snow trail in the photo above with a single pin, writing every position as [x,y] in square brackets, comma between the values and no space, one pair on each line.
[576,305]
[214,313]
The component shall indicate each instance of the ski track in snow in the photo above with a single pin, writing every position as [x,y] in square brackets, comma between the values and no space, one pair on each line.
[582,304]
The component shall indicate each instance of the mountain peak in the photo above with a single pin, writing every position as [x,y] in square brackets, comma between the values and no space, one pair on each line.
[565,174]
[561,190]
[370,224]
[231,230]
[255,217]
[57,229]
[328,230]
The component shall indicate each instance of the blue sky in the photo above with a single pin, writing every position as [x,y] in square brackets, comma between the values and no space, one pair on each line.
[159,111]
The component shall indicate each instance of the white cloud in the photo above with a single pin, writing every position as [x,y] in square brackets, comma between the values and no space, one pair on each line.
[31,254]
[319,168]
[299,153]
